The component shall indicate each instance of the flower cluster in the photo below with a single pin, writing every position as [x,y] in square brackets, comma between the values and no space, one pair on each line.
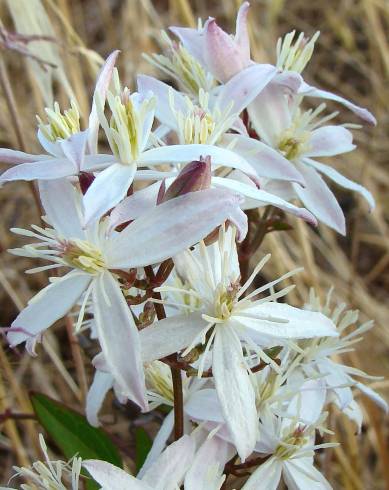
[150,235]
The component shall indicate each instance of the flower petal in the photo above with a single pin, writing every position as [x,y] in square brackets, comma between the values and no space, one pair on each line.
[170,335]
[300,474]
[266,161]
[119,338]
[269,472]
[109,187]
[342,180]
[204,405]
[74,149]
[111,477]
[235,391]
[241,31]
[193,41]
[374,396]
[48,306]
[12,157]
[168,471]
[39,170]
[102,383]
[320,200]
[329,141]
[308,90]
[61,202]
[102,85]
[170,228]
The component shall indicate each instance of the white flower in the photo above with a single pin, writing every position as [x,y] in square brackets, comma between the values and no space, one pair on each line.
[222,321]
[92,254]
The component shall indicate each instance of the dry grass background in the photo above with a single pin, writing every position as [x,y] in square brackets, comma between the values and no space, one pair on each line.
[352,58]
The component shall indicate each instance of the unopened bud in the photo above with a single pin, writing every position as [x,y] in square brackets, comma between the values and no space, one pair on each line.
[195,176]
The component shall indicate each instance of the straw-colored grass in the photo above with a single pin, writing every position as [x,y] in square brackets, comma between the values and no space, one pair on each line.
[352,58]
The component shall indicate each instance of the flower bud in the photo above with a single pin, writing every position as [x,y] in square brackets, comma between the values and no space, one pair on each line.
[195,176]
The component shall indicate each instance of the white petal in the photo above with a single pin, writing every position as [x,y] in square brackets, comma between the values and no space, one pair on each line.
[59,200]
[102,85]
[98,162]
[119,338]
[167,473]
[308,403]
[159,443]
[193,41]
[39,170]
[329,141]
[300,474]
[12,157]
[170,335]
[263,198]
[374,396]
[242,88]
[235,391]
[48,306]
[341,180]
[207,467]
[308,90]
[269,473]
[109,187]
[74,148]
[170,228]
[111,477]
[297,324]
[205,405]
[320,200]
[102,383]
[189,153]
[266,161]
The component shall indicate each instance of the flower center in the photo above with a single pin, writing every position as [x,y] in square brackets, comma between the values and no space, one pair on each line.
[60,126]
[85,256]
[291,444]
[225,301]
[159,380]
[293,143]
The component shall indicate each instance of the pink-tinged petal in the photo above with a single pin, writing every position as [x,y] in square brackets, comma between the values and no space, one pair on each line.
[269,113]
[341,180]
[235,391]
[168,471]
[171,228]
[241,32]
[40,170]
[12,157]
[102,383]
[98,162]
[61,202]
[294,323]
[244,87]
[329,141]
[109,187]
[264,198]
[135,205]
[163,92]
[300,474]
[159,443]
[266,161]
[308,90]
[320,200]
[111,477]
[223,56]
[119,338]
[268,473]
[48,306]
[102,85]
[190,153]
[74,148]
[193,41]
[207,467]
[170,335]
[374,396]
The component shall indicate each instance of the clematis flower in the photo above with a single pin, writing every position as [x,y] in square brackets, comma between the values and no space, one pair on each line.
[69,150]
[301,137]
[222,321]
[93,256]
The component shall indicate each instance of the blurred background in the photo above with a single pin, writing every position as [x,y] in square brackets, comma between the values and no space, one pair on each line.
[52,50]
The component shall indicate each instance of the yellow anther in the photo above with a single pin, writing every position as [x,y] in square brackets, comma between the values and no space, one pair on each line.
[60,126]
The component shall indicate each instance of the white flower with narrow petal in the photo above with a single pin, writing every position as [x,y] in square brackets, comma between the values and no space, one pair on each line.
[224,322]
[69,150]
[302,136]
[92,254]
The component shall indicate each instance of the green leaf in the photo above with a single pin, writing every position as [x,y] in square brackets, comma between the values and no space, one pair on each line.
[143,445]
[73,434]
